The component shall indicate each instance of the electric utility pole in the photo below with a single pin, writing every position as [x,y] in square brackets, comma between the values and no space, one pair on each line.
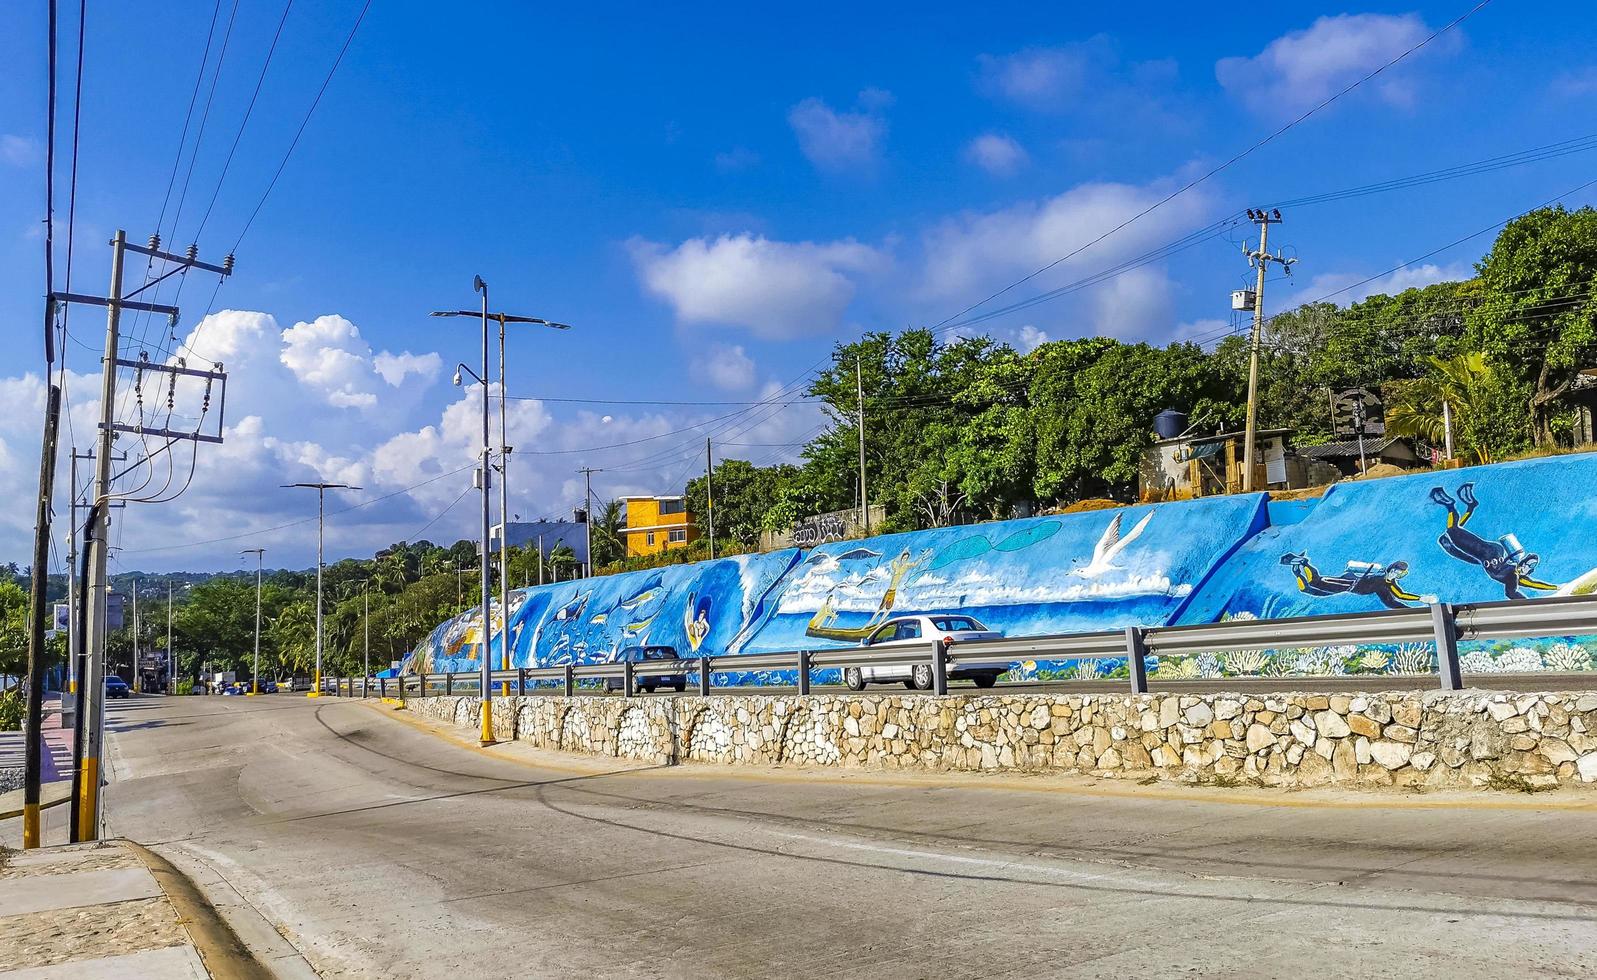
[1260,260]
[321,495]
[587,510]
[96,535]
[135,632]
[255,674]
[709,494]
[864,497]
[366,622]
[171,662]
[33,721]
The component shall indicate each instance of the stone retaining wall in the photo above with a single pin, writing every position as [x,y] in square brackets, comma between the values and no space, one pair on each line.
[1404,739]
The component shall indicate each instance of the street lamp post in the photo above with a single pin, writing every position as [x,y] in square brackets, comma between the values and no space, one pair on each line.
[255,674]
[321,494]
[485,471]
[366,622]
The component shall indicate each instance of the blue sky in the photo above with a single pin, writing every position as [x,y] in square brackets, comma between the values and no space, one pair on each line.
[713,199]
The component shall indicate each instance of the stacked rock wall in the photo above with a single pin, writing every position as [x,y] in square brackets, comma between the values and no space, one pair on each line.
[1403,739]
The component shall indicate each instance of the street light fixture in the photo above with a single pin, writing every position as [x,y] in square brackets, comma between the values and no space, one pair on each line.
[321,494]
[485,479]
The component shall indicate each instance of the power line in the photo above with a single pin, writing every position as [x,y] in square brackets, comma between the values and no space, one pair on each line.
[307,520]
[188,116]
[248,110]
[304,122]
[1189,185]
[1433,252]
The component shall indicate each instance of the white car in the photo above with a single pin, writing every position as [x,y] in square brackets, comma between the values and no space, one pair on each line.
[919,632]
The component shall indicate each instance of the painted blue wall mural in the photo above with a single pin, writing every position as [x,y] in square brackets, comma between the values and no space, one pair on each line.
[1479,534]
[1509,531]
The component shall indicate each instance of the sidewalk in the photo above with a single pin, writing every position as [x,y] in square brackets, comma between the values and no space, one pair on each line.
[55,763]
[89,911]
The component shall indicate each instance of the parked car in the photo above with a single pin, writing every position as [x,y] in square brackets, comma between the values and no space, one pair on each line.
[918,632]
[268,686]
[296,684]
[235,689]
[638,655]
[116,687]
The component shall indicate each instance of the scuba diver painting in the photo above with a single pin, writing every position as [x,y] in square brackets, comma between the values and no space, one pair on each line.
[1505,560]
[1359,578]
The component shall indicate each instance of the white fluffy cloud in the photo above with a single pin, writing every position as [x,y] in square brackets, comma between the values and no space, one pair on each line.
[841,141]
[412,460]
[1041,78]
[328,355]
[775,289]
[394,368]
[996,153]
[979,249]
[1028,338]
[1303,68]
[725,366]
[19,151]
[1344,288]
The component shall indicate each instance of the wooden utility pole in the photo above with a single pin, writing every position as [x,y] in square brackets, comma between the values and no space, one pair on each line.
[1259,260]
[33,721]
[709,495]
[864,495]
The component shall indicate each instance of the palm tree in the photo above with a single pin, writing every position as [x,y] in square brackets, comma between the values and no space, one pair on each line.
[1464,385]
[609,542]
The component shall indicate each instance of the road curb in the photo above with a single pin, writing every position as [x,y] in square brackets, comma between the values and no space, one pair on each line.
[224,954]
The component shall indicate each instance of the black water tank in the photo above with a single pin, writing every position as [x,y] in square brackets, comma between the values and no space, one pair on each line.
[1169,423]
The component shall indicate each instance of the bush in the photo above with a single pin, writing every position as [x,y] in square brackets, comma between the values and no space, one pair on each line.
[11,708]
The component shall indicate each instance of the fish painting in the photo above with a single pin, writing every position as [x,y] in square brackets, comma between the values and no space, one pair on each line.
[573,609]
[633,629]
[648,589]
[600,619]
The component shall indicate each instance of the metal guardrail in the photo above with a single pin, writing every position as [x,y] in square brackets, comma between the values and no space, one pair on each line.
[1443,624]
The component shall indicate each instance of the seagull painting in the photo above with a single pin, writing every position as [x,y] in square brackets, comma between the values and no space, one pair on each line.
[1109,547]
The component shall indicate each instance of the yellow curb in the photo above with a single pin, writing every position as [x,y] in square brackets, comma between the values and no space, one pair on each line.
[224,954]
[972,780]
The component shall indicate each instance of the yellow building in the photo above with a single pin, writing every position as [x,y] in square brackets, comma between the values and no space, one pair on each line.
[656,524]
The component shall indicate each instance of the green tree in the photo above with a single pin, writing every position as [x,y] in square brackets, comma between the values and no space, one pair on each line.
[1538,315]
[13,628]
[608,531]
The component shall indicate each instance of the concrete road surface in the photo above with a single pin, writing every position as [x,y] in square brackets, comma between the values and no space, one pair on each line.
[380,848]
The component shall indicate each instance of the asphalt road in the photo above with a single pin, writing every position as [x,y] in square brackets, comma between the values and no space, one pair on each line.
[381,848]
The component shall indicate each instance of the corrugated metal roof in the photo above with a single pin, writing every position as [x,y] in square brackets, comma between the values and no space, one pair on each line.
[1350,447]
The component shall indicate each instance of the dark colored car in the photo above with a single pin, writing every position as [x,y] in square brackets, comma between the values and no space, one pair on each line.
[297,684]
[116,687]
[268,686]
[650,682]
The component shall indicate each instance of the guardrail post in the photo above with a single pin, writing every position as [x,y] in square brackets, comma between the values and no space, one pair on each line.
[521,680]
[571,681]
[1445,628]
[704,677]
[1137,658]
[804,672]
[939,668]
[449,685]
[628,682]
